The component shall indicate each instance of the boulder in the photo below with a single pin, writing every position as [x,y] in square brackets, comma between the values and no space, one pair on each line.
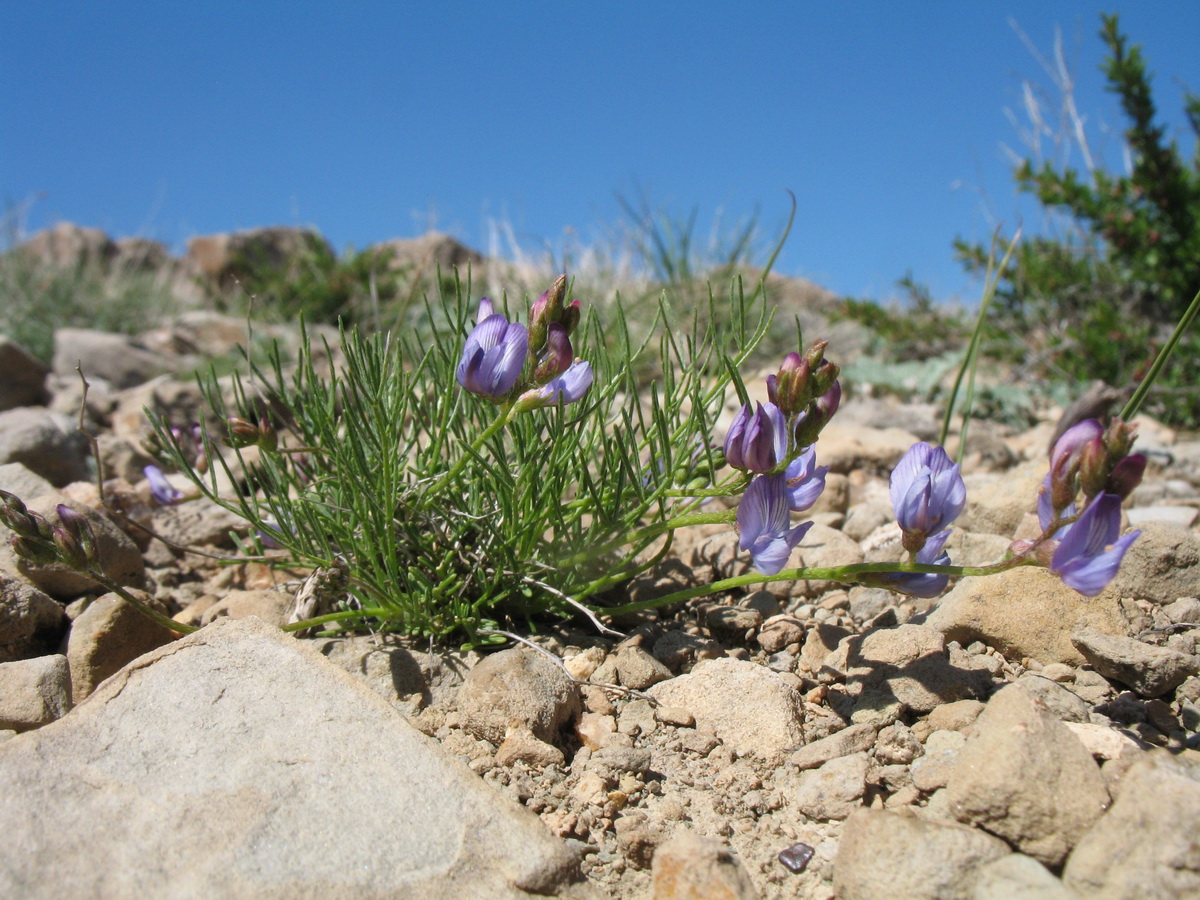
[517,687]
[46,443]
[34,692]
[240,763]
[22,377]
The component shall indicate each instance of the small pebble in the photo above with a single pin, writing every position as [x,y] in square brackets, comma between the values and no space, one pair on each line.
[795,858]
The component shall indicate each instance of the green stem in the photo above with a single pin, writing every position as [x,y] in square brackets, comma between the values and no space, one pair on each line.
[1135,402]
[845,574]
[651,531]
[476,445]
[147,611]
[376,612]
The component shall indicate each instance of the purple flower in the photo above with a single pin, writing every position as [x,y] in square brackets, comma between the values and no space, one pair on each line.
[924,584]
[805,480]
[1089,553]
[556,356]
[568,387]
[163,492]
[494,354]
[764,523]
[927,490]
[757,440]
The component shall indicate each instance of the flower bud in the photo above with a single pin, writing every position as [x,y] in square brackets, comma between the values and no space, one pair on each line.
[1093,468]
[242,433]
[789,388]
[1126,475]
[36,550]
[556,356]
[79,529]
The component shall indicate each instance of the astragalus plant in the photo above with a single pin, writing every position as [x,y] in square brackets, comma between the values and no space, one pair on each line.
[495,473]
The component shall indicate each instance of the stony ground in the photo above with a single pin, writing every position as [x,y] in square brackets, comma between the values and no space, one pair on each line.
[1011,739]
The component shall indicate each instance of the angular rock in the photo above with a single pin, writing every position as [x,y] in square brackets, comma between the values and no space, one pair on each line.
[853,739]
[66,245]
[46,443]
[107,636]
[835,789]
[750,708]
[637,669]
[691,867]
[996,504]
[34,692]
[116,358]
[824,547]
[517,687]
[848,448]
[1149,670]
[31,624]
[1024,777]
[1066,705]
[1162,565]
[912,664]
[780,631]
[885,855]
[1024,612]
[270,606]
[1017,875]
[1148,843]
[246,765]
[22,377]
[941,751]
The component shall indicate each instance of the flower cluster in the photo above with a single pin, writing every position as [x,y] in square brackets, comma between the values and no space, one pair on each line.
[71,542]
[773,442]
[526,368]
[1083,548]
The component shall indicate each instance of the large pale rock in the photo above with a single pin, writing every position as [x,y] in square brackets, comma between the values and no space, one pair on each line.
[886,855]
[1151,671]
[429,252]
[105,637]
[31,624]
[912,664]
[1024,612]
[22,377]
[34,692]
[835,789]
[1025,777]
[750,708]
[243,764]
[517,687]
[45,442]
[824,547]
[1163,564]
[1148,844]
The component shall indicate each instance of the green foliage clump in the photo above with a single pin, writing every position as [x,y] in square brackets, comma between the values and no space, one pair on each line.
[1097,303]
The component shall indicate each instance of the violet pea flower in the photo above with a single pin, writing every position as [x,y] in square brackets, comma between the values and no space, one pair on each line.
[493,356]
[568,387]
[927,490]
[764,523]
[757,440]
[162,491]
[1088,552]
[805,480]
[924,584]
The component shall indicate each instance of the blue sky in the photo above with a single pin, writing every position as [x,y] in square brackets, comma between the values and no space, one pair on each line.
[378,120]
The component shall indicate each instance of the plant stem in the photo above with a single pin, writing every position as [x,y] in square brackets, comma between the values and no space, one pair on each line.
[845,574]
[147,611]
[1135,402]
[652,531]
[476,445]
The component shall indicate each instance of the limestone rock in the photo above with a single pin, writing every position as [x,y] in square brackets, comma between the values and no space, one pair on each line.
[823,547]
[1163,564]
[268,605]
[854,739]
[31,624]
[246,765]
[1063,703]
[1024,612]
[910,663]
[22,377]
[750,708]
[997,503]
[691,867]
[1149,670]
[47,443]
[116,358]
[1017,875]
[105,637]
[34,692]
[517,686]
[884,855]
[1148,844]
[847,448]
[1023,776]
[835,789]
